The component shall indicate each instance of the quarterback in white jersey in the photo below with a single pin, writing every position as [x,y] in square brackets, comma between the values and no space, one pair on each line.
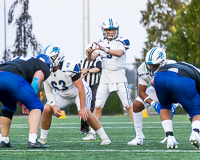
[112,50]
[68,87]
[155,58]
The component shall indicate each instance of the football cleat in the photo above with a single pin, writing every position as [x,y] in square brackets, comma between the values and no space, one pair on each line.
[42,140]
[36,145]
[89,137]
[195,139]
[105,141]
[5,145]
[138,140]
[171,142]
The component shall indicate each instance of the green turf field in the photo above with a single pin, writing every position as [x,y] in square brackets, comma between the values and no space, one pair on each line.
[65,140]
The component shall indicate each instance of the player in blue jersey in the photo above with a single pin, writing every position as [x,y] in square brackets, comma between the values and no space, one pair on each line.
[180,81]
[20,81]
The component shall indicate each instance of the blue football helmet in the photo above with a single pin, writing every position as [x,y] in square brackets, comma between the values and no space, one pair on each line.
[44,58]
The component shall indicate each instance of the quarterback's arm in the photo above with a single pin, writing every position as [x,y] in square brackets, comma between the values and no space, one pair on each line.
[81,91]
[117,53]
[91,55]
[37,80]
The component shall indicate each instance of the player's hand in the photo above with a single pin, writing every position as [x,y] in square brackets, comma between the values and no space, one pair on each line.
[24,109]
[56,111]
[90,49]
[99,47]
[83,114]
[156,106]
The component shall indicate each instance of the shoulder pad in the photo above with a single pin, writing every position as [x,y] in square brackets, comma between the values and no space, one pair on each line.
[125,41]
[142,70]
[169,61]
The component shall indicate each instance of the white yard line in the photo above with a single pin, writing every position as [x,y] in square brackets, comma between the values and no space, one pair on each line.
[130,151]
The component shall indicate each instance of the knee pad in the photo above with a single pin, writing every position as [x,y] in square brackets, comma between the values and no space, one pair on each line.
[6,113]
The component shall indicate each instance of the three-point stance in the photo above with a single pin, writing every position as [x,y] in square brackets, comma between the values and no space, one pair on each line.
[69,88]
[155,58]
[180,81]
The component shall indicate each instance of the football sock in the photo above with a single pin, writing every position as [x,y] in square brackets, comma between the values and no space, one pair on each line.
[138,119]
[167,126]
[32,137]
[5,139]
[44,133]
[93,131]
[102,133]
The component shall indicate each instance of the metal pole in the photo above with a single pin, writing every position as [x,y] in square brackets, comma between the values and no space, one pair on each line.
[5,27]
[85,25]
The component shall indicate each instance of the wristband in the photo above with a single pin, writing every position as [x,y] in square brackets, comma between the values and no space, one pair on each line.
[152,103]
[146,98]
[106,49]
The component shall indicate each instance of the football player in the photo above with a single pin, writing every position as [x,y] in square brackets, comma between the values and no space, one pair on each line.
[180,81]
[155,58]
[112,50]
[20,81]
[69,88]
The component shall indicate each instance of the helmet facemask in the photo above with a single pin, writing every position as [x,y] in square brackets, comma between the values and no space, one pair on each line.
[55,53]
[110,24]
[56,59]
[110,37]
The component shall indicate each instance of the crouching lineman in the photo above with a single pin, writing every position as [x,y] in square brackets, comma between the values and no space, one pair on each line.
[70,88]
[185,88]
[155,58]
[20,81]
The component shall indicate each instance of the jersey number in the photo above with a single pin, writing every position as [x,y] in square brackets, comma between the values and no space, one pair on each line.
[61,82]
[108,54]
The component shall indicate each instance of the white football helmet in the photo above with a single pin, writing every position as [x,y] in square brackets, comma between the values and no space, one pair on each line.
[110,24]
[155,57]
[55,53]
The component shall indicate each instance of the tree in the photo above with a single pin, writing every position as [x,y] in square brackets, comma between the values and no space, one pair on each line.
[183,43]
[158,19]
[24,35]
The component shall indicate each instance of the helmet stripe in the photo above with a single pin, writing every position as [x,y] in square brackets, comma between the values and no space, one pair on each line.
[46,48]
[151,53]
[111,23]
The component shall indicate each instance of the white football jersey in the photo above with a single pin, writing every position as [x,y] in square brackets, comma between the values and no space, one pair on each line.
[113,68]
[61,81]
[144,75]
